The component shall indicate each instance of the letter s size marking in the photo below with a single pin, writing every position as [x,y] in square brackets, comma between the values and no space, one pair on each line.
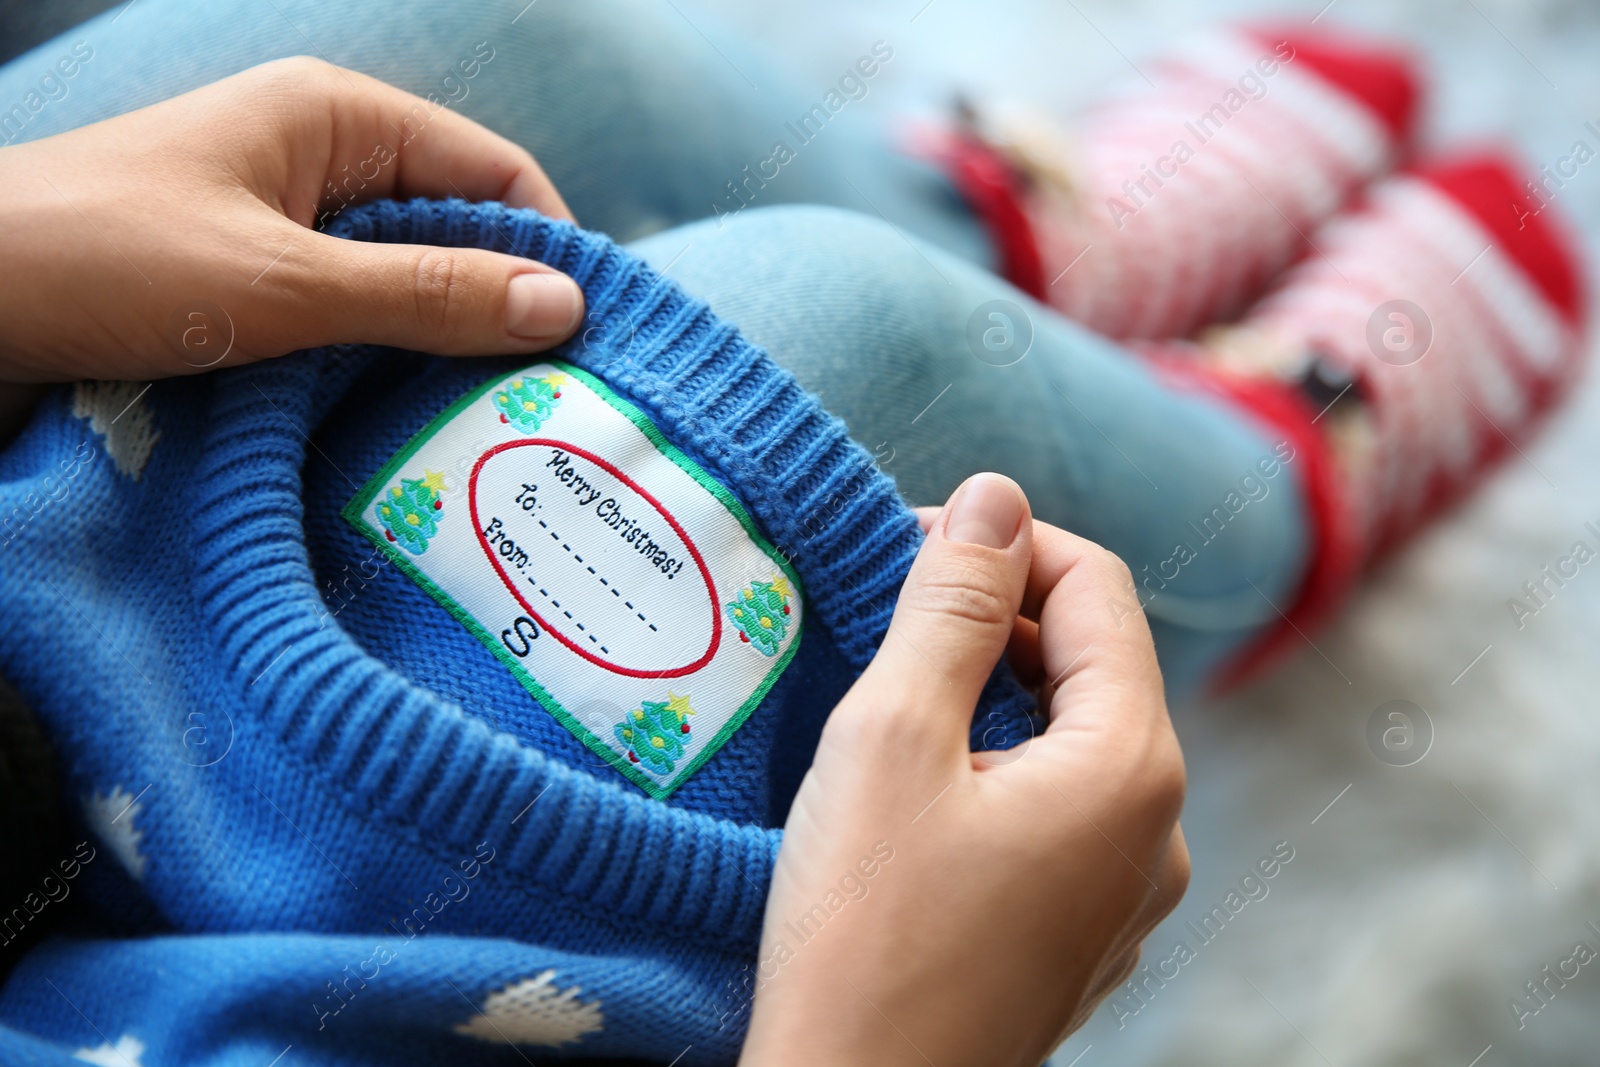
[525,630]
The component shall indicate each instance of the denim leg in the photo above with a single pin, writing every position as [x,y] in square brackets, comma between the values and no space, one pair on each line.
[645,114]
[943,370]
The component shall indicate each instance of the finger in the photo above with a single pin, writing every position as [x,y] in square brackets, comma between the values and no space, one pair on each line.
[447,301]
[447,154]
[1055,552]
[361,139]
[1089,614]
[957,606]
[1022,652]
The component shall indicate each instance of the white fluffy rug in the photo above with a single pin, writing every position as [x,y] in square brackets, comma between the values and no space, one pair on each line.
[1421,902]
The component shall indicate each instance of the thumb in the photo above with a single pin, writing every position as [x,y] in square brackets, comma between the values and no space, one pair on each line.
[447,301]
[958,606]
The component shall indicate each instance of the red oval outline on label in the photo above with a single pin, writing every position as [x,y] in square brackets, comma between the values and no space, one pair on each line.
[694,553]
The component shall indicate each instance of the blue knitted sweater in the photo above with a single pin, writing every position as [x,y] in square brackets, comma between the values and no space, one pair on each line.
[316,816]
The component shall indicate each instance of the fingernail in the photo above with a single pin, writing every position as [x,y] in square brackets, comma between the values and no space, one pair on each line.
[987,511]
[540,306]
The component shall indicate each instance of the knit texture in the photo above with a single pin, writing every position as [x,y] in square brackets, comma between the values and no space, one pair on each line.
[1169,204]
[1480,328]
[325,815]
[1451,301]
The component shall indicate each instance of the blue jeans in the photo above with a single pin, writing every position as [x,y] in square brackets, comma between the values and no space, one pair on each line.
[875,294]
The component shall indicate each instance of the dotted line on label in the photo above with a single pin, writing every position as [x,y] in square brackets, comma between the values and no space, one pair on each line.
[557,604]
[557,538]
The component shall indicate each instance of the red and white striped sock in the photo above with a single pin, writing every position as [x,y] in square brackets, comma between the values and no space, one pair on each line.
[1177,200]
[1453,304]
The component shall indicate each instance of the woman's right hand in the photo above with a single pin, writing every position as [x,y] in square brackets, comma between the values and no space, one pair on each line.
[179,237]
[931,904]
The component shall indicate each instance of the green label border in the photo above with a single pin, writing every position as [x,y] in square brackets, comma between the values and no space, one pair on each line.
[355,513]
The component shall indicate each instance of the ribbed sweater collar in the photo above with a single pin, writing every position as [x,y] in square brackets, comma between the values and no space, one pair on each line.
[411,758]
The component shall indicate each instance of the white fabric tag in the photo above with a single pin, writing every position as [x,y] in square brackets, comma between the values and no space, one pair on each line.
[622,585]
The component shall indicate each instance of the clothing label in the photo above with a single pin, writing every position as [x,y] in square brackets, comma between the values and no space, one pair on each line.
[622,585]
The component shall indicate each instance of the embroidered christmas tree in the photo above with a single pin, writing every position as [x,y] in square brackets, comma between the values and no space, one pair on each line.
[761,614]
[409,513]
[526,402]
[656,731]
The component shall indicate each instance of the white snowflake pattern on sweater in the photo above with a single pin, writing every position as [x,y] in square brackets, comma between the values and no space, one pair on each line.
[116,411]
[534,1012]
[125,1053]
[114,819]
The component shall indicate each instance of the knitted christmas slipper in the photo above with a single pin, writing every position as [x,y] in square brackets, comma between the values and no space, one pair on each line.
[1422,340]
[1173,203]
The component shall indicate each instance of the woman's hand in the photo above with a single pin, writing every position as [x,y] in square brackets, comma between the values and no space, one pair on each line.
[935,905]
[176,238]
